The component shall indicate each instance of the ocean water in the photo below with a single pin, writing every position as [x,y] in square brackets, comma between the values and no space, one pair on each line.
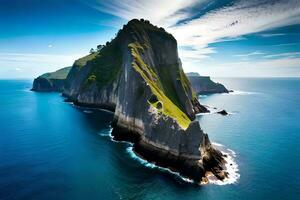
[50,149]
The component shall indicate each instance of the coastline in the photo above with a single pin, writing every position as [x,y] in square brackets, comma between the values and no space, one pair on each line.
[143,155]
[231,165]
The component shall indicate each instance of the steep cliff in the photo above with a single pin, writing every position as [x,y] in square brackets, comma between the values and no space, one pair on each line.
[53,81]
[204,85]
[139,76]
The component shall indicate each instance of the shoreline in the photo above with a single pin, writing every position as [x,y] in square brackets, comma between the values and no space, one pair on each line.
[231,165]
[187,170]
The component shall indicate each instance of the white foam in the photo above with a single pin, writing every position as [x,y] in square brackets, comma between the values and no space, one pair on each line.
[214,111]
[130,151]
[231,165]
[217,144]
[202,96]
[239,92]
[111,137]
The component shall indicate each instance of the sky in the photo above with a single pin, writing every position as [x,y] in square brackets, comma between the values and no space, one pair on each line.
[219,38]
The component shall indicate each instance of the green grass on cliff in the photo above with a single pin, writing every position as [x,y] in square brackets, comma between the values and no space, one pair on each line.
[107,64]
[169,107]
[82,61]
[59,74]
[104,65]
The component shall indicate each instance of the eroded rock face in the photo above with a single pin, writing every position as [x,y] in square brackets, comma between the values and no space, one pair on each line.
[140,77]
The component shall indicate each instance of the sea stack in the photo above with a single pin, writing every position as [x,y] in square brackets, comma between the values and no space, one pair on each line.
[138,76]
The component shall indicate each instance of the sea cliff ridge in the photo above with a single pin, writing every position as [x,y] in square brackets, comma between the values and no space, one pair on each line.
[138,75]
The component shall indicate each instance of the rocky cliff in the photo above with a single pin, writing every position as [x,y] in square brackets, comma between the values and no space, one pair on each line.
[139,76]
[204,85]
[51,82]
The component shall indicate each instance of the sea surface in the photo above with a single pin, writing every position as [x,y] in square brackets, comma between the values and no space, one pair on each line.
[50,149]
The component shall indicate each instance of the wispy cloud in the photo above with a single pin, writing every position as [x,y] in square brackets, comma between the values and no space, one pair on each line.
[287,54]
[32,65]
[161,12]
[242,18]
[222,24]
[286,44]
[277,67]
[271,34]
[51,59]
[255,53]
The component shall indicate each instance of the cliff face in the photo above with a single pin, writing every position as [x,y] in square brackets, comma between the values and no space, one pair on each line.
[51,82]
[139,76]
[204,85]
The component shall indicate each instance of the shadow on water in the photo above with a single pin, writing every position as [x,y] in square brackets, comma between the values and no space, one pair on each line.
[96,119]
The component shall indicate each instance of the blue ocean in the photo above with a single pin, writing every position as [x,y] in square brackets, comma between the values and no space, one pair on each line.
[50,149]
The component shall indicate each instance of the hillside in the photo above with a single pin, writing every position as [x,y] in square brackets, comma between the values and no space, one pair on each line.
[53,81]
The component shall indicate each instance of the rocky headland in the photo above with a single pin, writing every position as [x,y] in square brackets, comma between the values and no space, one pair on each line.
[204,85]
[51,82]
[138,75]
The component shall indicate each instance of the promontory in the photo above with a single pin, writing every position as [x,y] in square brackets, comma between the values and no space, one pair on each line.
[138,75]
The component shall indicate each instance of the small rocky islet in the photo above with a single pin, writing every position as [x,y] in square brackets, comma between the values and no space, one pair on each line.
[138,76]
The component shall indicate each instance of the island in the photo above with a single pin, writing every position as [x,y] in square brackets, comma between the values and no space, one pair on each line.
[138,76]
[204,85]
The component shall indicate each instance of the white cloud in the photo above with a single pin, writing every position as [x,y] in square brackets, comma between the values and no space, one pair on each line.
[50,46]
[51,59]
[250,54]
[287,54]
[244,17]
[33,65]
[278,62]
[223,24]
[159,12]
[279,67]
[286,44]
[271,34]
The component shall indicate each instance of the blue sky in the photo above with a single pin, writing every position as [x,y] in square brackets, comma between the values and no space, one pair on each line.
[257,38]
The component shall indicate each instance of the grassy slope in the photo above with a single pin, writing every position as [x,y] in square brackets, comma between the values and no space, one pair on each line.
[162,86]
[82,61]
[59,74]
[169,108]
[106,65]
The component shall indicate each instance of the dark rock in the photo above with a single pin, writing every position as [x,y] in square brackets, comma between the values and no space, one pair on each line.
[159,105]
[223,112]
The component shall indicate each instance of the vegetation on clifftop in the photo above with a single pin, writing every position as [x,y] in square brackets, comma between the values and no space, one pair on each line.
[81,62]
[59,74]
[106,65]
